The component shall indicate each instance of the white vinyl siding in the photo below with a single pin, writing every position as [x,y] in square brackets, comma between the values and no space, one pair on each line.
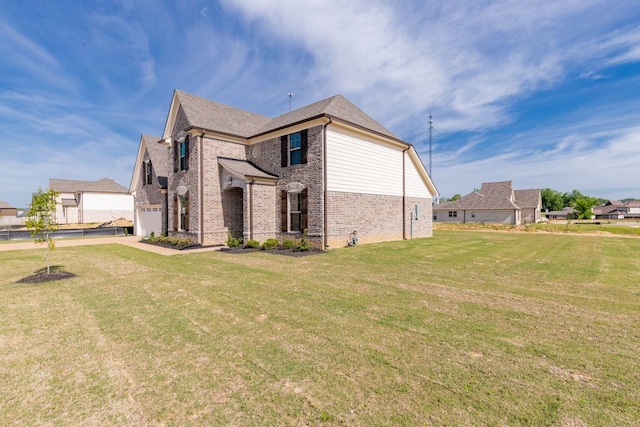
[415,186]
[355,165]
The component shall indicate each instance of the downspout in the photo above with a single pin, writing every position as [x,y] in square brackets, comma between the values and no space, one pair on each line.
[201,187]
[325,215]
[404,197]
[251,208]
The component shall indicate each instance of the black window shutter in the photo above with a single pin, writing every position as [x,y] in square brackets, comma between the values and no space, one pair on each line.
[186,152]
[284,150]
[303,145]
[176,212]
[144,173]
[150,172]
[176,157]
[283,212]
[304,209]
[186,212]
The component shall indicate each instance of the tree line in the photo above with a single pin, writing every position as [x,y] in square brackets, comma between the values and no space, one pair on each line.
[554,200]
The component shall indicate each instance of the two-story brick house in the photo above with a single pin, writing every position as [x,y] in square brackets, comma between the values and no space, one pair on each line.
[328,168]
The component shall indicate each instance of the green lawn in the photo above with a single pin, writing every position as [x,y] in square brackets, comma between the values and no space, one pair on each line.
[465,328]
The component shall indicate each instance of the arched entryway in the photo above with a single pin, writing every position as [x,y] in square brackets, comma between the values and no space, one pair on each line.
[233,210]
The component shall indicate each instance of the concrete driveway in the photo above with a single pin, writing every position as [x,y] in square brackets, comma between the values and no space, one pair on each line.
[132,241]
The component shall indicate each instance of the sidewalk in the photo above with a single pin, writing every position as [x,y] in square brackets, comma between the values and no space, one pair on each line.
[132,241]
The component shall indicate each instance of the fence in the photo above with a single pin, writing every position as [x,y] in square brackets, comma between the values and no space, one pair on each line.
[70,233]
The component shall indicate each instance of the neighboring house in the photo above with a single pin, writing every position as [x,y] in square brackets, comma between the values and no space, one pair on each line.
[565,213]
[327,168]
[84,202]
[9,215]
[149,187]
[617,210]
[495,202]
[7,210]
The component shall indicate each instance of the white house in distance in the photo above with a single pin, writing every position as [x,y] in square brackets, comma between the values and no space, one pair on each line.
[85,202]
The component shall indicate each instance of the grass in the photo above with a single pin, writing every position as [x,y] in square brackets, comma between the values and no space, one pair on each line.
[603,227]
[465,328]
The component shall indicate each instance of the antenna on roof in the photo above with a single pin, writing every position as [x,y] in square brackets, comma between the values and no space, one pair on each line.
[290,95]
[430,129]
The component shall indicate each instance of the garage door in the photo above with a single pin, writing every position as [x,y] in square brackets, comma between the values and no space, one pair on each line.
[149,219]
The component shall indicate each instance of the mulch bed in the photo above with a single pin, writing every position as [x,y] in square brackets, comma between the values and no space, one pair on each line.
[43,277]
[277,251]
[171,246]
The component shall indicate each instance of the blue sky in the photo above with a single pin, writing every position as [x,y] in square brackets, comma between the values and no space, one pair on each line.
[543,93]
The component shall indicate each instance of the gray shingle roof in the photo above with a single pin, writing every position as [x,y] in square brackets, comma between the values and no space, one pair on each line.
[218,117]
[5,205]
[222,118]
[242,169]
[104,185]
[528,199]
[337,106]
[158,154]
[492,195]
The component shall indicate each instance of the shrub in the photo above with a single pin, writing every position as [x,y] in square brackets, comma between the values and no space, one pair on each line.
[303,243]
[233,242]
[270,244]
[253,244]
[152,235]
[287,243]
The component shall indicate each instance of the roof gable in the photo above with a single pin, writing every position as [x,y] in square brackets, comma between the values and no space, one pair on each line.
[213,116]
[528,199]
[157,154]
[337,107]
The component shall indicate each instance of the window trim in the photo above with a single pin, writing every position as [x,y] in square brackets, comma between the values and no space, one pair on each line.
[286,212]
[181,155]
[287,150]
[148,173]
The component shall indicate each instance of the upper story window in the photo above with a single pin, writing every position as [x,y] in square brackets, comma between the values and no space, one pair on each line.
[147,172]
[294,148]
[181,155]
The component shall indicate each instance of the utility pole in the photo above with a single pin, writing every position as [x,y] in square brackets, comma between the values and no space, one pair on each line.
[430,129]
[290,95]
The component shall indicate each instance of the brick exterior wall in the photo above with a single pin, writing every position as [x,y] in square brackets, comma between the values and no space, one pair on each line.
[376,218]
[232,211]
[187,178]
[310,175]
[423,226]
[530,216]
[148,194]
[466,216]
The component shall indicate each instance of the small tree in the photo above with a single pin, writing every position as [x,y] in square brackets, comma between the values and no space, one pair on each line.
[41,219]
